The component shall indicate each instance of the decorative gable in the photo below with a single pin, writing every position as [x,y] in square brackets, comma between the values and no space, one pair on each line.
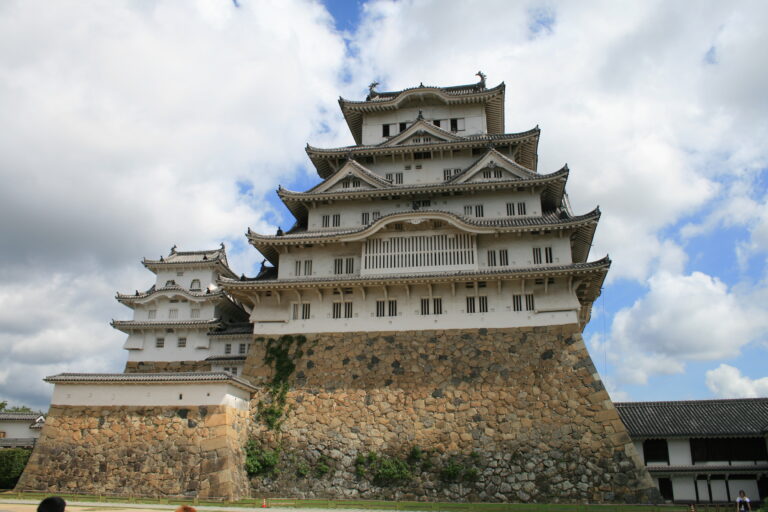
[493,166]
[418,133]
[352,176]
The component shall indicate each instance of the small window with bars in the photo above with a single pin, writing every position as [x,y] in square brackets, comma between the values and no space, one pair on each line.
[478,210]
[307,267]
[152,314]
[355,182]
[521,208]
[300,311]
[447,173]
[228,348]
[380,307]
[173,314]
[517,303]
[159,342]
[486,173]
[194,313]
[376,215]
[529,304]
[468,209]
[510,209]
[181,342]
[503,257]
[491,258]
[482,304]
[349,265]
[470,304]
[326,222]
[497,173]
[537,255]
[338,266]
[241,349]
[365,218]
[548,255]
[336,219]
[342,310]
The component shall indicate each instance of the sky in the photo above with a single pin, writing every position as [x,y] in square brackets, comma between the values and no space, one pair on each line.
[131,126]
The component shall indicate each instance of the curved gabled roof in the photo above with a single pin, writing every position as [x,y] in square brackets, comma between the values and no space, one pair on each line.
[267,244]
[206,258]
[551,197]
[527,141]
[493,99]
[128,326]
[171,290]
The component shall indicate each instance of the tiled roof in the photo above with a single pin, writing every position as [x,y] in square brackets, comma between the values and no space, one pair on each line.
[148,378]
[226,359]
[19,416]
[697,418]
[194,258]
[233,329]
[125,325]
[709,468]
[169,288]
[17,442]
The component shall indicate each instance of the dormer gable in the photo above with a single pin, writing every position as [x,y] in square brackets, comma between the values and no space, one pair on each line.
[493,166]
[421,130]
[351,176]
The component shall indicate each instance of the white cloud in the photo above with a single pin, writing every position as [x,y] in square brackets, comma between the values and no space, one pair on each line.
[682,318]
[128,127]
[725,381]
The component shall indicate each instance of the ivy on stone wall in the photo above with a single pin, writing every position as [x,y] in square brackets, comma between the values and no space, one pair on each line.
[281,355]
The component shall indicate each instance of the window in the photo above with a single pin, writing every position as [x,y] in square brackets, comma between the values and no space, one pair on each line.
[510,209]
[537,255]
[437,306]
[179,273]
[194,313]
[386,308]
[457,124]
[388,176]
[482,304]
[517,303]
[468,209]
[152,314]
[336,219]
[376,215]
[241,349]
[232,370]
[304,311]
[349,265]
[338,266]
[173,314]
[403,126]
[342,310]
[386,130]
[365,219]
[486,173]
[297,268]
[326,221]
[307,267]
[398,178]
[159,342]
[665,489]
[424,306]
[446,174]
[437,122]
[170,282]
[529,306]
[503,257]
[548,254]
[300,311]
[491,258]
[228,348]
[497,173]
[655,450]
[422,203]
[422,155]
[355,182]
[478,210]
[195,285]
[181,342]
[521,208]
[345,184]
[470,304]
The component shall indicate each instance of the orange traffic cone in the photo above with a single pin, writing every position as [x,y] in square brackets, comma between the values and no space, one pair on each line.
[264,503]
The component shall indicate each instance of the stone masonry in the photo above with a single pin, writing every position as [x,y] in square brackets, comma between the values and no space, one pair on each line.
[524,406]
[141,451]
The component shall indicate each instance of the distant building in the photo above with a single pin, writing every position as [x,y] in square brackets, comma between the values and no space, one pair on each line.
[185,322]
[20,429]
[702,451]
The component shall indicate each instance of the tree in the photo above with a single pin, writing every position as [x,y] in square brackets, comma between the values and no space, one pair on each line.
[16,408]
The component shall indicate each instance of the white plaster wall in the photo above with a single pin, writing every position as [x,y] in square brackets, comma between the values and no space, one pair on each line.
[684,488]
[474,116]
[701,485]
[719,492]
[679,452]
[639,449]
[494,207]
[18,429]
[748,486]
[197,349]
[206,277]
[218,346]
[138,394]
[555,306]
[162,305]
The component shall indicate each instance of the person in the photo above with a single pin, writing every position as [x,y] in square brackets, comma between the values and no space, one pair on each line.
[52,504]
[742,503]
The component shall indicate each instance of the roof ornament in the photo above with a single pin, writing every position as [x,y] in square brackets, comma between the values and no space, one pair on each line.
[421,84]
[137,293]
[221,246]
[420,117]
[205,257]
[173,249]
[161,258]
[263,264]
[242,277]
[482,76]
[280,232]
[372,89]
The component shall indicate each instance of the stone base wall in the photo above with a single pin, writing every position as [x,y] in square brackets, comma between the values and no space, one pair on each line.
[501,414]
[135,451]
[166,366]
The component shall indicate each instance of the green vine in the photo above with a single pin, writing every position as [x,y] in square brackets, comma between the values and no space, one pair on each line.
[279,354]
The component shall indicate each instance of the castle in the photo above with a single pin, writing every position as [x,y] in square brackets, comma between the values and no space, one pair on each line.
[429,299]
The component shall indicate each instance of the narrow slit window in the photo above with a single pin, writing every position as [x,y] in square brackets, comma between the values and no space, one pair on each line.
[482,304]
[537,255]
[529,305]
[548,255]
[517,302]
[326,221]
[470,304]
[491,258]
[503,257]
[336,219]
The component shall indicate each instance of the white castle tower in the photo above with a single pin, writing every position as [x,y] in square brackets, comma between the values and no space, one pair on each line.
[435,219]
[185,322]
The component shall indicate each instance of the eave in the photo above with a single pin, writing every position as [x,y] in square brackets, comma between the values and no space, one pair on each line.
[493,98]
[326,160]
[268,244]
[157,265]
[129,326]
[552,193]
[131,300]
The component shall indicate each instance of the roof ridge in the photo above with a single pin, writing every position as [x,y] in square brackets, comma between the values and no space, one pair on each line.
[662,403]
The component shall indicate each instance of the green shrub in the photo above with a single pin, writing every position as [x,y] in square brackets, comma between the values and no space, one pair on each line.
[322,468]
[471,475]
[389,470]
[451,472]
[12,462]
[302,470]
[259,460]
[416,455]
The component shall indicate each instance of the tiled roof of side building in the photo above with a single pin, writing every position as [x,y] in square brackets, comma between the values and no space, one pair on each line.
[233,329]
[147,378]
[19,416]
[696,418]
[194,258]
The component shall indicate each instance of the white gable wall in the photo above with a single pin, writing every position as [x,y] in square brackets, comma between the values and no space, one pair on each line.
[473,115]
